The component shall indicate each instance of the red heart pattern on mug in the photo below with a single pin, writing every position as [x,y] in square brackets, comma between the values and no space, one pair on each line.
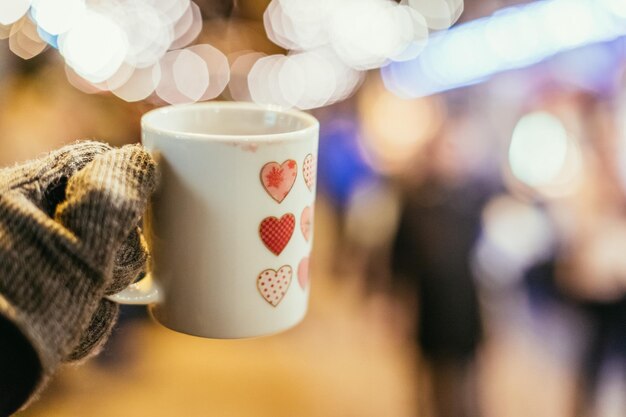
[278,179]
[273,284]
[306,222]
[303,272]
[276,233]
[309,170]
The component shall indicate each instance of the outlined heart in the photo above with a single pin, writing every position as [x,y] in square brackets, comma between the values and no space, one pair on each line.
[309,171]
[273,284]
[306,222]
[276,233]
[303,272]
[278,179]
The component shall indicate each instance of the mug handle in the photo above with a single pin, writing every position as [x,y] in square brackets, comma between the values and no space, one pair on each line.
[143,292]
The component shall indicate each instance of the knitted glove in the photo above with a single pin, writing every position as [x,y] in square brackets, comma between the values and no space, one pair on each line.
[68,236]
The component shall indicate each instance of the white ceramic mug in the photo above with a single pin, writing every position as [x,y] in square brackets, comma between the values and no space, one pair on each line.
[230,226]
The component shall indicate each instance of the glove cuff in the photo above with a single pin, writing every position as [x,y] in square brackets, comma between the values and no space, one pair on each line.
[45,363]
[48,292]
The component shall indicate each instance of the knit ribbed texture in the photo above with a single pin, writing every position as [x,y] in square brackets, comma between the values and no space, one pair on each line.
[69,235]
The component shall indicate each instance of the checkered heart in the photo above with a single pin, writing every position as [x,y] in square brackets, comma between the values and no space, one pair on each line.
[309,170]
[273,284]
[276,233]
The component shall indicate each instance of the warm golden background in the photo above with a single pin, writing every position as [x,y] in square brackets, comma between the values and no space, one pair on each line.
[524,284]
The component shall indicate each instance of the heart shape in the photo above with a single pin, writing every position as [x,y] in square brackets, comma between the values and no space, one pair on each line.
[306,222]
[278,179]
[309,171]
[303,272]
[276,233]
[273,284]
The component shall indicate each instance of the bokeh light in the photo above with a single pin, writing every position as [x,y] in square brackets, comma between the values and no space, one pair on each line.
[542,155]
[258,78]
[511,38]
[140,85]
[306,80]
[114,45]
[340,39]
[5,31]
[242,63]
[24,40]
[122,46]
[618,7]
[515,236]
[80,83]
[305,22]
[95,47]
[199,72]
[373,35]
[56,17]
[321,79]
[167,88]
[519,229]
[11,11]
[365,33]
[395,130]
[191,75]
[518,48]
[415,34]
[439,14]
[188,27]
[291,80]
[148,31]
[216,65]
[119,78]
[172,10]
[538,149]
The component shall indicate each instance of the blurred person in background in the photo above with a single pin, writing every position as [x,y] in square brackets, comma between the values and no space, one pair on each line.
[591,268]
[439,223]
[550,266]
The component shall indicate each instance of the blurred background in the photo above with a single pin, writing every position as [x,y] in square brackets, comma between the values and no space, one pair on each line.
[470,253]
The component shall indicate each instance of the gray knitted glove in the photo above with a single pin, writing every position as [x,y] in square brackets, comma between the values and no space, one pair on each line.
[68,235]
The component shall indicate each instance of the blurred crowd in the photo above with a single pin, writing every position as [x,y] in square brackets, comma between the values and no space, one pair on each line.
[490,219]
[499,215]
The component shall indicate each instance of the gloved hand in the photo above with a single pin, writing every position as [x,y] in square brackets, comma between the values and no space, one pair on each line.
[68,236]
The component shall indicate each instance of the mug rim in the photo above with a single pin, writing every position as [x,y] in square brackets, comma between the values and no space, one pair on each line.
[311,124]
